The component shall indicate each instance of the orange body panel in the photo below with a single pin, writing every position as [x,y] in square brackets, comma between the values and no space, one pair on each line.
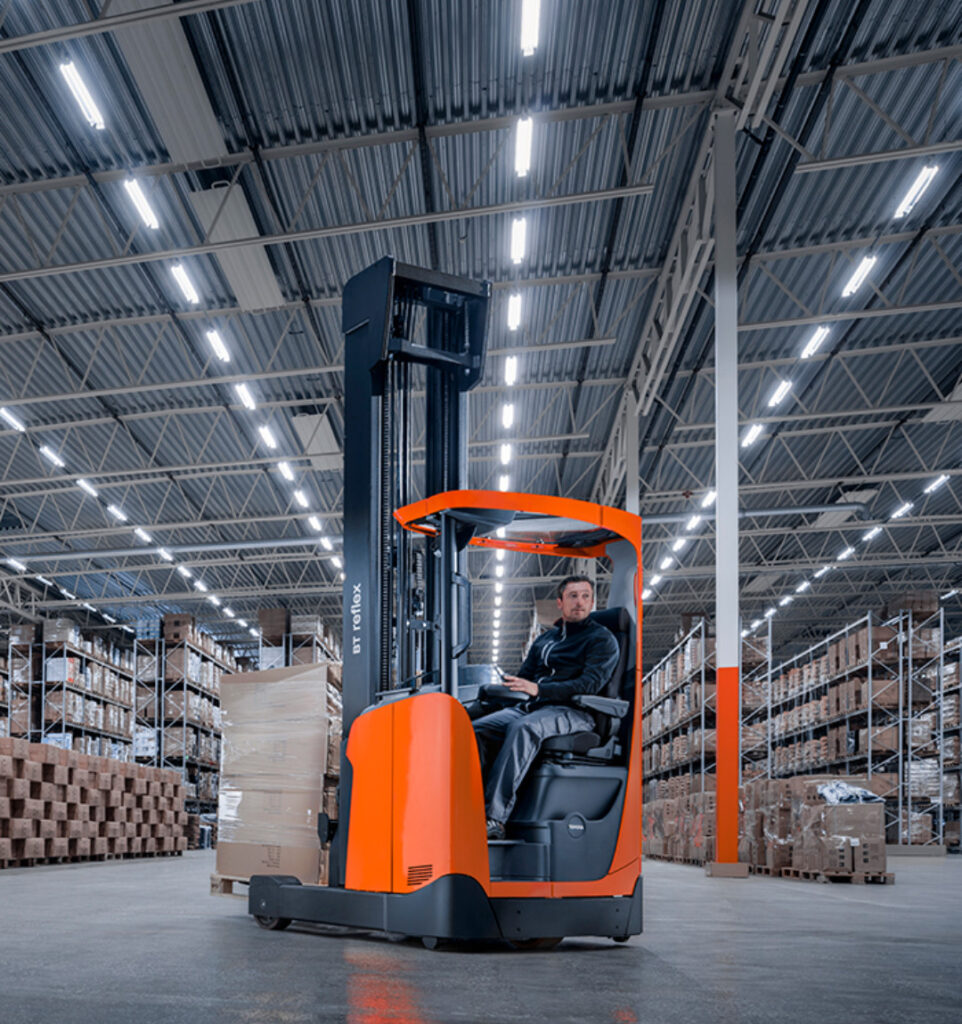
[417,805]
[726,766]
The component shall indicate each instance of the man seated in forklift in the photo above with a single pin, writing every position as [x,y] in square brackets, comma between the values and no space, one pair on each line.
[577,656]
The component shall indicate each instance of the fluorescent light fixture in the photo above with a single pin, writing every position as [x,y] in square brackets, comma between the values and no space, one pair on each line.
[770,612]
[337,563]
[510,370]
[44,581]
[779,393]
[285,470]
[66,593]
[499,554]
[301,498]
[530,17]
[497,600]
[229,612]
[165,554]
[656,579]
[693,522]
[666,562]
[847,553]
[496,633]
[499,532]
[201,586]
[185,572]
[51,456]
[220,349]
[341,577]
[680,544]
[85,485]
[89,607]
[951,593]
[522,147]
[127,629]
[514,311]
[498,587]
[872,534]
[82,95]
[118,513]
[14,564]
[315,523]
[803,586]
[214,599]
[787,599]
[814,343]
[916,189]
[242,623]
[12,420]
[499,570]
[755,624]
[646,593]
[507,415]
[244,394]
[143,535]
[745,633]
[505,454]
[709,499]
[821,572]
[858,278]
[253,632]
[326,544]
[519,235]
[185,283]
[937,483]
[752,435]
[903,510]
[139,200]
[504,482]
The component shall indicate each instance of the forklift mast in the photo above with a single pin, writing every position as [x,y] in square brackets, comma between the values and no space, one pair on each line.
[407,615]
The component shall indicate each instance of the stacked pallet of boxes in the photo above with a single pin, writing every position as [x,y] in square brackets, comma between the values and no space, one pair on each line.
[57,803]
[281,756]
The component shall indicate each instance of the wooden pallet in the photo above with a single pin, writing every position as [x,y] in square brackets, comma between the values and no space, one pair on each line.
[223,885]
[89,858]
[851,877]
[763,869]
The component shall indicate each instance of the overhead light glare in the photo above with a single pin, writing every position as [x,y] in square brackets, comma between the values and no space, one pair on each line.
[505,454]
[514,311]
[916,190]
[951,593]
[519,236]
[285,470]
[522,147]
[301,498]
[511,370]
[82,95]
[666,562]
[755,624]
[499,532]
[244,394]
[872,534]
[814,343]
[214,599]
[51,456]
[903,509]
[770,612]
[88,606]
[85,485]
[229,612]
[185,283]
[803,586]
[499,554]
[253,632]
[507,415]
[109,618]
[530,19]
[139,200]
[337,563]
[498,587]
[12,420]
[779,393]
[165,554]
[847,553]
[315,523]
[787,599]
[44,581]
[858,278]
[709,499]
[680,544]
[821,572]
[326,544]
[242,623]
[656,579]
[646,593]
[753,434]
[201,586]
[693,522]
[504,482]
[937,483]
[118,513]
[186,573]
[220,349]
[499,570]
[143,535]
[15,564]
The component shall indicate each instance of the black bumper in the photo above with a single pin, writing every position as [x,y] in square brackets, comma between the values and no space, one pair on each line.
[452,907]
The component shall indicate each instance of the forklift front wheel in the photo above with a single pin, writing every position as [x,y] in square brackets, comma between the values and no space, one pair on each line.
[535,943]
[273,924]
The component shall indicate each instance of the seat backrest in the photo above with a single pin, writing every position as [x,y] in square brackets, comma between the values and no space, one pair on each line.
[618,622]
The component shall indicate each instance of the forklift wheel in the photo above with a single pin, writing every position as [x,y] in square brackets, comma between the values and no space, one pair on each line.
[273,924]
[535,943]
[621,938]
[430,942]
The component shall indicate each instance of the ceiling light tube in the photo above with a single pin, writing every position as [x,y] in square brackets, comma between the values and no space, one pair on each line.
[85,485]
[951,593]
[916,190]
[185,572]
[301,498]
[646,593]
[51,456]
[752,435]
[498,587]
[88,606]
[499,555]
[229,612]
[253,632]
[314,523]
[858,278]
[680,544]
[505,454]
[514,311]
[326,544]
[507,415]
[504,482]
[787,599]
[779,393]
[109,618]
[847,553]
[803,586]
[15,564]
[217,344]
[244,394]
[267,436]
[242,623]
[44,581]
[937,483]
[510,370]
[872,534]
[666,562]
[709,499]
[201,586]
[499,570]
[821,572]
[814,343]
[165,554]
[185,283]
[522,147]
[755,624]
[12,420]
[656,579]
[143,535]
[285,470]
[770,612]
[82,95]
[530,19]
[338,564]
[214,599]
[903,510]
[139,200]
[693,522]
[118,513]
[519,236]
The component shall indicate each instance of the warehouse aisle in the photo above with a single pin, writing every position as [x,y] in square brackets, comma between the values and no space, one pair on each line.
[142,941]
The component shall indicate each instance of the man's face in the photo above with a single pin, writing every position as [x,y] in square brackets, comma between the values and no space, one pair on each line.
[576,601]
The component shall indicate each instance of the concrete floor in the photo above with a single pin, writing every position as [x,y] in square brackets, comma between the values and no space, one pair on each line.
[142,941]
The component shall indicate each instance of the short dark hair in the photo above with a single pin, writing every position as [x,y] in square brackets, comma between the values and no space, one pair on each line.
[573,579]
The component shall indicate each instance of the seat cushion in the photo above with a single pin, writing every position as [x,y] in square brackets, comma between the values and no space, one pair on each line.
[573,743]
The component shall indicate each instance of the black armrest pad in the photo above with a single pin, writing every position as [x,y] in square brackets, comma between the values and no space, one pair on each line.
[605,705]
[493,693]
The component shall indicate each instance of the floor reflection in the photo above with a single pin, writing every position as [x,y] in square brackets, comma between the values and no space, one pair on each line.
[375,993]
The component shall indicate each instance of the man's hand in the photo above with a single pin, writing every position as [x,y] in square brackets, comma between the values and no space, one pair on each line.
[520,685]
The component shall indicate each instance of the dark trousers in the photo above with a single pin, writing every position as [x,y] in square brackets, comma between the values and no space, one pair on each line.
[519,735]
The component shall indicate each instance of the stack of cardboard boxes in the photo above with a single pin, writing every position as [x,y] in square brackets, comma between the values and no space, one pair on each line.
[58,803]
[281,757]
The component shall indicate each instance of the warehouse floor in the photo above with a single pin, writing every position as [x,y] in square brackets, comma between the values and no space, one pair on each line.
[141,940]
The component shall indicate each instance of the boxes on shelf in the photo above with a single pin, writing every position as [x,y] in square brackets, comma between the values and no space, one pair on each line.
[61,631]
[179,628]
[278,745]
[273,623]
[23,634]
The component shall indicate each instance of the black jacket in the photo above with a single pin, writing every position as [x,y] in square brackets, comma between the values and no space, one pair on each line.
[569,659]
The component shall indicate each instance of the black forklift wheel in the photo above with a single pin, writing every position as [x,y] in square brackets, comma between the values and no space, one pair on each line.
[545,943]
[430,942]
[273,924]
[621,938]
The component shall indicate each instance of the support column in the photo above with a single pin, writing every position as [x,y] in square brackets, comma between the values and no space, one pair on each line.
[727,639]
[632,478]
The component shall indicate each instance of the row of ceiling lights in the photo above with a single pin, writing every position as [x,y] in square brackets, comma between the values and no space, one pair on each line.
[782,389]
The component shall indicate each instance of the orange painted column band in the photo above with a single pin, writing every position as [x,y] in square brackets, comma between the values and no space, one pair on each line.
[726,766]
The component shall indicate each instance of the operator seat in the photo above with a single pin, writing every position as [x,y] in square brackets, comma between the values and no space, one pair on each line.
[603,742]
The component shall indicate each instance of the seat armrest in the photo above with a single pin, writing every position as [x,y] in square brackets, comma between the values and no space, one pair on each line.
[493,693]
[604,705]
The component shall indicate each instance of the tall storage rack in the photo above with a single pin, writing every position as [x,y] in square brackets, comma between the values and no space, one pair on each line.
[4,688]
[178,718]
[951,738]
